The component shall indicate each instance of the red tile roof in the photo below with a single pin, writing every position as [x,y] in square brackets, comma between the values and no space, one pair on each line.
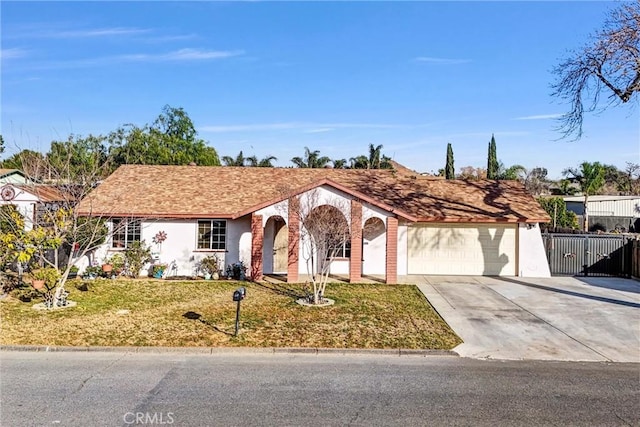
[230,192]
[46,193]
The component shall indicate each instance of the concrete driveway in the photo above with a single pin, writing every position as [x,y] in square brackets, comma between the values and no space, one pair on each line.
[561,318]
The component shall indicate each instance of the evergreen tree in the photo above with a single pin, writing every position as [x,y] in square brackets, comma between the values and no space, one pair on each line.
[492,160]
[449,170]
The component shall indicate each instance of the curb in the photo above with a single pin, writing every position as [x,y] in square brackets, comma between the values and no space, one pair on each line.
[234,350]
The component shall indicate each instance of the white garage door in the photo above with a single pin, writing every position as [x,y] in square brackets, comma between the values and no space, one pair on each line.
[477,250]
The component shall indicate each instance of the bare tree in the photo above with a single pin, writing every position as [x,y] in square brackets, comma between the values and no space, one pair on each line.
[53,234]
[610,61]
[324,235]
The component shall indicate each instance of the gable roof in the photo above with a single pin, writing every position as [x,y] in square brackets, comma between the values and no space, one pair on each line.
[7,172]
[229,192]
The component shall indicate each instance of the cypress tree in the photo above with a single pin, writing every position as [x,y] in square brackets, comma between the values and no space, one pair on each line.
[449,170]
[492,160]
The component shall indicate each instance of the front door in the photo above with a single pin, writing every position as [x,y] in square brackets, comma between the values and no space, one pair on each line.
[280,243]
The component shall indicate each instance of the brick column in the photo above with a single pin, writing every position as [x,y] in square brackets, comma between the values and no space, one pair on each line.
[293,252]
[257,245]
[391,264]
[355,262]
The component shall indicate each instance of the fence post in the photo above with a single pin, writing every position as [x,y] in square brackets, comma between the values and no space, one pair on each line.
[585,259]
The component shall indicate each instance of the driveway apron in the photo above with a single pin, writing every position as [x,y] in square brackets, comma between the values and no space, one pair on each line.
[560,318]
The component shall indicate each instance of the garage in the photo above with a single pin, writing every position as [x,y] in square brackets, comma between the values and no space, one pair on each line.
[451,249]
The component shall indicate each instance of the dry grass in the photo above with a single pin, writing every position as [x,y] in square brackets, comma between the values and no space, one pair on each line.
[201,313]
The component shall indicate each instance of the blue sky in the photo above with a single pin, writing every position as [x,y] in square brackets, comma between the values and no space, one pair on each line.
[270,78]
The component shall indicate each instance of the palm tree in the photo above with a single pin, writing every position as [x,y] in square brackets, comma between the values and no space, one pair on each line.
[239,160]
[266,162]
[375,160]
[311,159]
[339,163]
[359,162]
[515,172]
[590,178]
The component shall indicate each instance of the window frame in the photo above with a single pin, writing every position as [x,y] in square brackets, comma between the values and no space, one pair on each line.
[132,227]
[220,242]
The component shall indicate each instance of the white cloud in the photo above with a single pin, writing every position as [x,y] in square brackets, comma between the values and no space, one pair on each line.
[181,55]
[12,53]
[28,32]
[539,117]
[441,61]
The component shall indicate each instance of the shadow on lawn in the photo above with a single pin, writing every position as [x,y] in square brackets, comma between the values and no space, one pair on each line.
[281,289]
[192,315]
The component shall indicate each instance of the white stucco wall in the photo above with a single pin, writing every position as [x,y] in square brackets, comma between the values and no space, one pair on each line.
[181,245]
[531,254]
[403,258]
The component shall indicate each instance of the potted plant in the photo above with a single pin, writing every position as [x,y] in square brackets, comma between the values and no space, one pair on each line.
[210,266]
[92,272]
[46,277]
[117,262]
[157,270]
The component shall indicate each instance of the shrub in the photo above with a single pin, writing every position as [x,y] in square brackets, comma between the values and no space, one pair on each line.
[210,264]
[557,208]
[136,256]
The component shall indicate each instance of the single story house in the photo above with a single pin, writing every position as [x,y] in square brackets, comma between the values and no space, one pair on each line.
[399,223]
[30,198]
[609,213]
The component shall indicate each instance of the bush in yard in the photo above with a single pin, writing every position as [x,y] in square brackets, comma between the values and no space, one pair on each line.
[136,256]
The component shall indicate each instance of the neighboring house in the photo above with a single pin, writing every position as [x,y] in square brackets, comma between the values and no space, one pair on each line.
[620,213]
[400,224]
[30,198]
[12,176]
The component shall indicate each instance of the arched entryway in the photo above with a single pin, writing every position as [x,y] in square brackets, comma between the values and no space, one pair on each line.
[326,241]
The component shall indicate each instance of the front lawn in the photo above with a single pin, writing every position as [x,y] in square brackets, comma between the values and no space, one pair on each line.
[202,313]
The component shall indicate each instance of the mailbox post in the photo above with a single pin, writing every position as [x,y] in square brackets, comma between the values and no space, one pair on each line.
[238,296]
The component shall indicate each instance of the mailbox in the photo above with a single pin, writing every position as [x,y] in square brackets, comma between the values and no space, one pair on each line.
[239,294]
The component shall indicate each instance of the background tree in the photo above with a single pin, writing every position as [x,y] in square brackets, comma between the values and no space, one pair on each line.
[77,157]
[265,162]
[375,159]
[609,62]
[472,173]
[311,159]
[170,140]
[513,173]
[492,160]
[449,170]
[536,181]
[557,210]
[339,163]
[239,160]
[31,163]
[590,178]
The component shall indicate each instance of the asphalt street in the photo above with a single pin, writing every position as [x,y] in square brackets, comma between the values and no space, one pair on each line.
[245,389]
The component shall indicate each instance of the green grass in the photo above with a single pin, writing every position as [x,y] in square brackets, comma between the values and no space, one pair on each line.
[201,313]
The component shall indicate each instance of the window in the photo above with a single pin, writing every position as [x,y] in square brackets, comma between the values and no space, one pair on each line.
[342,250]
[212,234]
[125,232]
